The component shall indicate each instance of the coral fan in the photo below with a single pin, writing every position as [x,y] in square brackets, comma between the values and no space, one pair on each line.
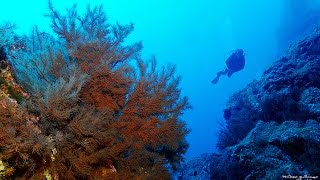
[91,111]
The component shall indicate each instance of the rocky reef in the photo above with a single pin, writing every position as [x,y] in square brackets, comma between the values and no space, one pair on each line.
[197,168]
[271,151]
[272,125]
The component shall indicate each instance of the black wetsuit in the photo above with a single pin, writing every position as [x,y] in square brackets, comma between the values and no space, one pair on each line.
[234,63]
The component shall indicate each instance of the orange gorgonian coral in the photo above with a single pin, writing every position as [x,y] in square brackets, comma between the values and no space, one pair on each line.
[92,111]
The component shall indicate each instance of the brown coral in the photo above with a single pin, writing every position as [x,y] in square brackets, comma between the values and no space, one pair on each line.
[93,114]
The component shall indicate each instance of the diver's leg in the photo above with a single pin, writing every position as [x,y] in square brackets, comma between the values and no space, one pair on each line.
[216,79]
[224,72]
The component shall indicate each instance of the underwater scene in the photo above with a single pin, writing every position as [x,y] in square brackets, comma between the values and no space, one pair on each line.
[160,90]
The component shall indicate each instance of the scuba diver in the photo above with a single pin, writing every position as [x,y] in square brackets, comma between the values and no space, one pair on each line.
[234,63]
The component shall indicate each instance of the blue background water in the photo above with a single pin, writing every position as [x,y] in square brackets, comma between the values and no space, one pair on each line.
[197,36]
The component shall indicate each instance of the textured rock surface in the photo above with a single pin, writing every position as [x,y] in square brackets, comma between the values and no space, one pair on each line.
[196,169]
[271,150]
[310,100]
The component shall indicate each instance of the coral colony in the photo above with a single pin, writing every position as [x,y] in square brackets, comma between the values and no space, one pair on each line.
[80,104]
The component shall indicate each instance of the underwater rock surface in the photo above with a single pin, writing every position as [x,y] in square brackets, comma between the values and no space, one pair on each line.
[197,168]
[272,126]
[272,150]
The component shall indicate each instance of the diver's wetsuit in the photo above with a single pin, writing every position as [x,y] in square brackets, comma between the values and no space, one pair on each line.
[234,63]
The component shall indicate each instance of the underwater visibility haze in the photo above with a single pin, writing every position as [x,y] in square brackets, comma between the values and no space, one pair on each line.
[145,71]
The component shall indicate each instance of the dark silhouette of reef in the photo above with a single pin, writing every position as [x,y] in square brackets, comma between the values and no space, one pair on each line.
[272,126]
[82,104]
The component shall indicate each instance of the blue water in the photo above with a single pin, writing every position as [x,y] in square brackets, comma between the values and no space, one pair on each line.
[197,36]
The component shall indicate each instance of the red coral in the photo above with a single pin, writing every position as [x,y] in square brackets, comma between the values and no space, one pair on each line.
[118,121]
[107,89]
